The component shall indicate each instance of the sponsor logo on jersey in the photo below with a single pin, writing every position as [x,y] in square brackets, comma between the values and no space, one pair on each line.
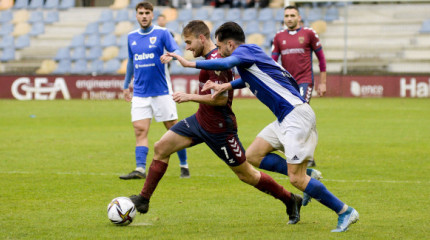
[152,40]
[134,43]
[301,40]
[144,56]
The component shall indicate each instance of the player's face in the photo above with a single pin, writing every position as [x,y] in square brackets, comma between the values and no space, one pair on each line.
[224,48]
[291,18]
[161,21]
[194,44]
[144,17]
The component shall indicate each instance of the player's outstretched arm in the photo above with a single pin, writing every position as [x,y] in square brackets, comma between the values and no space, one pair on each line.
[322,87]
[218,88]
[182,61]
[181,97]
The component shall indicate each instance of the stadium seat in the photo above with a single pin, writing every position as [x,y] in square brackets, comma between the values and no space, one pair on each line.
[107,27]
[8,54]
[201,14]
[119,4]
[35,16]
[47,67]
[37,29]
[111,66]
[52,4]
[92,28]
[123,53]
[6,4]
[123,40]
[252,27]
[314,14]
[170,13]
[269,28]
[265,14]
[78,53]
[63,67]
[233,14]
[175,68]
[22,41]
[319,26]
[52,17]
[20,4]
[425,27]
[109,40]
[110,53]
[106,16]
[302,12]
[123,28]
[20,16]
[6,16]
[218,14]
[92,40]
[62,54]
[249,14]
[96,67]
[122,15]
[133,4]
[79,67]
[7,42]
[123,68]
[94,53]
[256,38]
[279,15]
[331,14]
[66,4]
[191,71]
[6,29]
[21,29]
[35,4]
[185,15]
[174,26]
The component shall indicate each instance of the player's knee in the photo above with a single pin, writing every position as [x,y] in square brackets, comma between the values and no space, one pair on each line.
[253,158]
[295,179]
[159,150]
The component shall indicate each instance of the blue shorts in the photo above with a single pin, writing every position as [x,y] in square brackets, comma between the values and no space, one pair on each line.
[225,145]
[306,91]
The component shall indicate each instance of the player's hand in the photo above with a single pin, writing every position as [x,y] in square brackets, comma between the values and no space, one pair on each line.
[181,60]
[322,88]
[165,58]
[180,97]
[127,95]
[217,88]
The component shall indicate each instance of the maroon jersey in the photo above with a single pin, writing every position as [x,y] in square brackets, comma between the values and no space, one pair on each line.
[295,48]
[216,119]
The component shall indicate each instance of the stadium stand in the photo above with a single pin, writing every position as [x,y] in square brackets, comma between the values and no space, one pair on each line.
[218,14]
[122,15]
[78,53]
[51,4]
[8,54]
[6,29]
[37,29]
[111,66]
[20,16]
[92,28]
[201,14]
[6,4]
[62,54]
[21,29]
[123,68]
[63,67]
[66,4]
[123,28]
[6,16]
[79,67]
[20,4]
[119,4]
[35,4]
[47,67]
[51,17]
[22,41]
[93,40]
[110,53]
[249,14]
[94,53]
[425,27]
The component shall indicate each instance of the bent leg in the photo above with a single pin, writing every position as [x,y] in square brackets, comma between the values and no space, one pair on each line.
[182,154]
[141,128]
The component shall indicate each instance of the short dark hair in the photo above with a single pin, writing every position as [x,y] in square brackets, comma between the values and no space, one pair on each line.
[196,27]
[146,5]
[292,7]
[230,30]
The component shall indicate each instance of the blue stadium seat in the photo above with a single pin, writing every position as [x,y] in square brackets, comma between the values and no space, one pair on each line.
[176,69]
[111,66]
[201,14]
[303,13]
[79,67]
[96,67]
[123,40]
[269,28]
[52,17]
[93,40]
[78,41]
[133,4]
[185,15]
[62,54]
[107,27]
[6,16]
[425,27]
[218,14]
[233,14]
[66,4]
[78,53]
[37,29]
[106,16]
[94,53]
[6,29]
[63,67]
[35,4]
[314,14]
[109,40]
[92,28]
[122,15]
[20,4]
[8,54]
[36,16]
[279,15]
[174,26]
[331,14]
[52,4]
[7,41]
[252,27]
[265,14]
[22,41]
[249,14]
[123,53]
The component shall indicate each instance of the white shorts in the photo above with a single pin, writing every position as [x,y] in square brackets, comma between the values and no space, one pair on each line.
[296,135]
[162,108]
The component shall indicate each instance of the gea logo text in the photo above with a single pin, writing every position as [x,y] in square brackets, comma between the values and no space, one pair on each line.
[41,89]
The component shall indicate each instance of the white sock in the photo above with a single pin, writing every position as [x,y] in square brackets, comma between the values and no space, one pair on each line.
[183,166]
[140,169]
[345,207]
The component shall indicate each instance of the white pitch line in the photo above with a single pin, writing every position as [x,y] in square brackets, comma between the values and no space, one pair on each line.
[229,176]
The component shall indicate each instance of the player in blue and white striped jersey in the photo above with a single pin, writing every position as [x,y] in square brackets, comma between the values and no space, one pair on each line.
[294,131]
[152,88]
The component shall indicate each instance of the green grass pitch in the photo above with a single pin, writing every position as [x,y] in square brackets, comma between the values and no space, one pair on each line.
[60,162]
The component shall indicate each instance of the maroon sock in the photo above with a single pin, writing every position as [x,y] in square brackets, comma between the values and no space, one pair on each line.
[155,173]
[269,186]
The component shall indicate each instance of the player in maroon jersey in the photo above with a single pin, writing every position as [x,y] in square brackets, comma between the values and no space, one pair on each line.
[214,124]
[295,45]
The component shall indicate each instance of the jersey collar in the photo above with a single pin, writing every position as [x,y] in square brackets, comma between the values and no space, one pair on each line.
[208,55]
[294,32]
[146,30]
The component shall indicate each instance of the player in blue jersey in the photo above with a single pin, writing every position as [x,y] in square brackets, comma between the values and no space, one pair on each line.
[214,124]
[152,88]
[294,131]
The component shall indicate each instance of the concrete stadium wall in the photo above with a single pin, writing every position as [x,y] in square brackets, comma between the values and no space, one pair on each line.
[110,87]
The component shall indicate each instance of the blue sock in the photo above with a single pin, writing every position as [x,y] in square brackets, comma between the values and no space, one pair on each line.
[275,163]
[318,191]
[141,153]
[182,154]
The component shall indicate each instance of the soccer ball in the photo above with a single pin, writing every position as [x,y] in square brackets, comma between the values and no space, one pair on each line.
[121,211]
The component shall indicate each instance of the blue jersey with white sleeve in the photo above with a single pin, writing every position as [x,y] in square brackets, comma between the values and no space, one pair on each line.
[268,80]
[145,47]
